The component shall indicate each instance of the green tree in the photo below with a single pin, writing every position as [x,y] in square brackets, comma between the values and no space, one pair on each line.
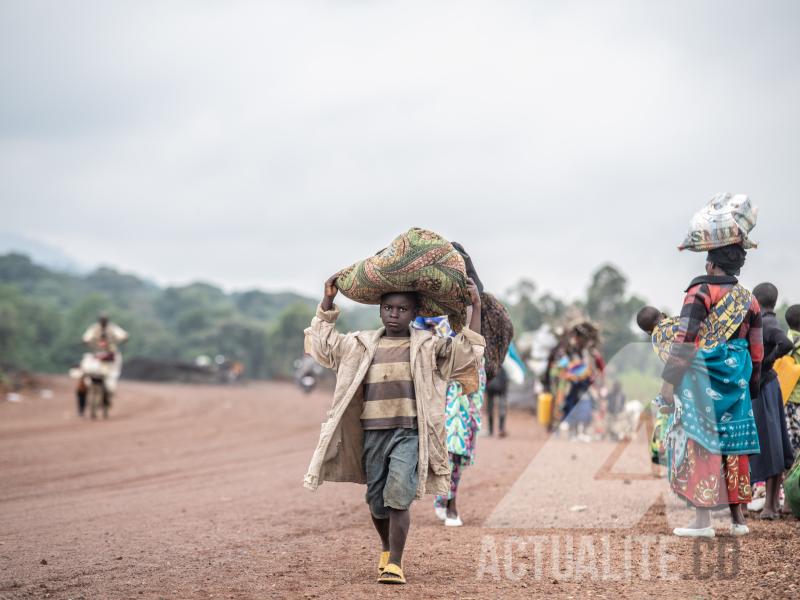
[68,347]
[523,310]
[286,338]
[246,342]
[608,304]
[552,309]
[28,330]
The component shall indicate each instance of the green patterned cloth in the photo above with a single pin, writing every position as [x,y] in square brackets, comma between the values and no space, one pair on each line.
[418,261]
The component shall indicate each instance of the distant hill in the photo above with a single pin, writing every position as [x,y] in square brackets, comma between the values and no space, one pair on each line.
[44,254]
[43,313]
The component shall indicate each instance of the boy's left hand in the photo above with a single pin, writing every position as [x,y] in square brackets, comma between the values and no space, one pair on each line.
[474,294]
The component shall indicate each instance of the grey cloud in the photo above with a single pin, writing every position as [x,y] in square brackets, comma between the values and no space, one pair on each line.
[270,143]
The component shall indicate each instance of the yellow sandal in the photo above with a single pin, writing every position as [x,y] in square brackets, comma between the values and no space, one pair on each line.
[392,573]
[384,560]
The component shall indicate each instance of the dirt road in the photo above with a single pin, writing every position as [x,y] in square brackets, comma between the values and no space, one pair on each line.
[195,492]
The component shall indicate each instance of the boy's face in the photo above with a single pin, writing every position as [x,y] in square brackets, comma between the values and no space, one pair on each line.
[397,312]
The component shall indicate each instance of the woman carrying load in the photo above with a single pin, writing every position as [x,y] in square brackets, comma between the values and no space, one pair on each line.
[581,367]
[711,374]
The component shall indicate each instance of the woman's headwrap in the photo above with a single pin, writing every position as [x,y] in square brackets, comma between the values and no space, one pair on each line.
[728,258]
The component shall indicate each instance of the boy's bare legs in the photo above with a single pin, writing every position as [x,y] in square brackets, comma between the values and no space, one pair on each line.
[399,524]
[382,526]
[393,532]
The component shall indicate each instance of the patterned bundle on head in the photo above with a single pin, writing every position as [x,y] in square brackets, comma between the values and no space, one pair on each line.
[497,330]
[418,261]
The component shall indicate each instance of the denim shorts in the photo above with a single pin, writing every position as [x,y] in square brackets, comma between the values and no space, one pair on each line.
[390,461]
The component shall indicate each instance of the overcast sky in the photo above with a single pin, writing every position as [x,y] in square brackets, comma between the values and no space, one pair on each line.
[270,144]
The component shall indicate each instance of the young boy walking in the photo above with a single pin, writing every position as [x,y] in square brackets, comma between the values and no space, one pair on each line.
[386,424]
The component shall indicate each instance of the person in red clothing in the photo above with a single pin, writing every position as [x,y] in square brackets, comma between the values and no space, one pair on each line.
[710,376]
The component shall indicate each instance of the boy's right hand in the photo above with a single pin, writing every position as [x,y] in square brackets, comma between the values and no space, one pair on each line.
[330,293]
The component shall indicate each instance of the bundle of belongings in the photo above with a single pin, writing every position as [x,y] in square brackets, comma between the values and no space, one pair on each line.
[726,219]
[418,261]
[496,325]
[424,262]
[497,330]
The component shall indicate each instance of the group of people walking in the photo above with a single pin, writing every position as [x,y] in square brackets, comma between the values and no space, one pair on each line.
[573,375]
[407,405]
[726,425]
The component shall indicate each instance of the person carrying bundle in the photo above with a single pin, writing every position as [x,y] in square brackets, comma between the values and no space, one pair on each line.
[386,423]
[713,356]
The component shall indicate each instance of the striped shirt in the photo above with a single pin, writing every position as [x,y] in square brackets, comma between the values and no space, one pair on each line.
[389,398]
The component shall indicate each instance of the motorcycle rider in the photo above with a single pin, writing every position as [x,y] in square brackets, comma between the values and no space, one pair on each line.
[306,373]
[104,339]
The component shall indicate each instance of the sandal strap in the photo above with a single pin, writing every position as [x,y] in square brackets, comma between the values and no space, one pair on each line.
[395,570]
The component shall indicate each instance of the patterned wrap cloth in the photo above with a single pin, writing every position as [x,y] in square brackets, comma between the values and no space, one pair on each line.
[462,414]
[418,261]
[462,425]
[794,336]
[497,330]
[463,418]
[712,429]
[793,402]
[728,317]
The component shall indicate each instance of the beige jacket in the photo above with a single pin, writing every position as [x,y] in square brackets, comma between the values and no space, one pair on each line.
[434,360]
[114,334]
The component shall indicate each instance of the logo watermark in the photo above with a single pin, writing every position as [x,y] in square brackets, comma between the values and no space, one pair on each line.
[601,511]
[606,558]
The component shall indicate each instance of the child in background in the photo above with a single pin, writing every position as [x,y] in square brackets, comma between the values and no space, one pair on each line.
[649,319]
[776,450]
